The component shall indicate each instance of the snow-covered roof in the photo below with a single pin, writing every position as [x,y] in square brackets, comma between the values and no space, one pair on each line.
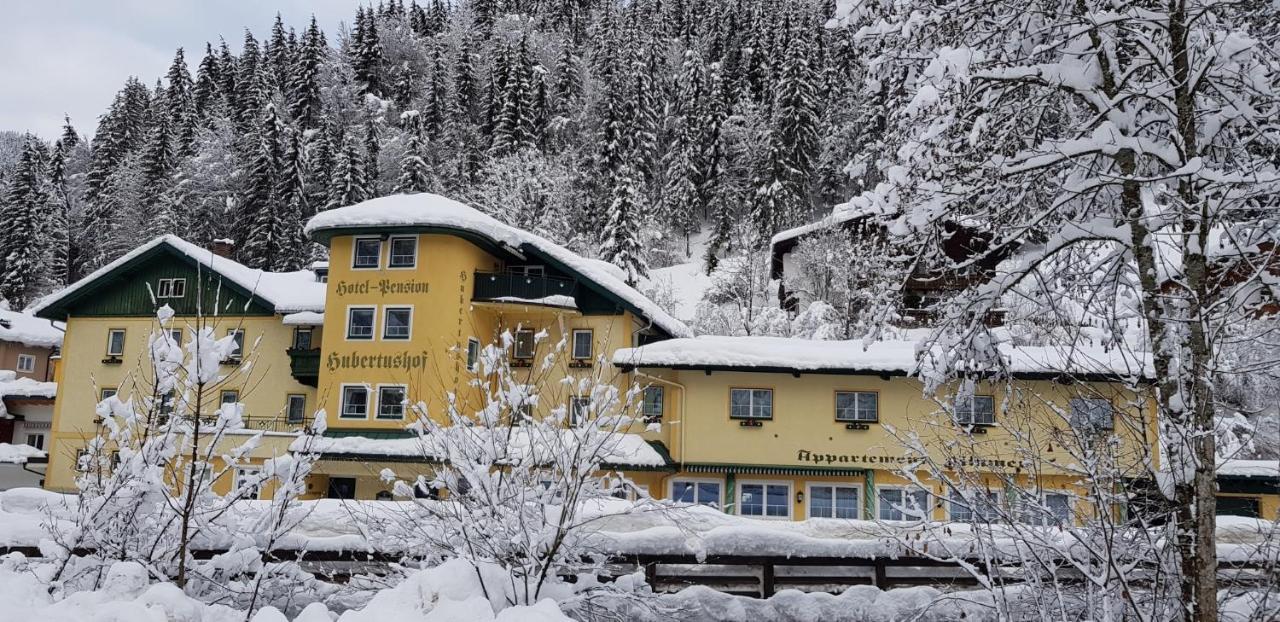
[287,292]
[434,211]
[629,449]
[303,318]
[29,330]
[889,357]
[13,386]
[18,454]
[1249,468]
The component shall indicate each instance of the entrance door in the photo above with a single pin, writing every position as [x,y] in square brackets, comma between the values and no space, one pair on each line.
[341,488]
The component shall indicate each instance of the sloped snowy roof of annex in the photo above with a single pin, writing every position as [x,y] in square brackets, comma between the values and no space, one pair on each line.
[11,386]
[630,450]
[431,211]
[286,292]
[29,330]
[856,357]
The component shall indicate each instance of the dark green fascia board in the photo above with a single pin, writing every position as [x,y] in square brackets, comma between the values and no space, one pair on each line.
[590,284]
[61,311]
[325,236]
[762,369]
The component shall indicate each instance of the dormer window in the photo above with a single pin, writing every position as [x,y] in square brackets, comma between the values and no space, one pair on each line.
[367,254]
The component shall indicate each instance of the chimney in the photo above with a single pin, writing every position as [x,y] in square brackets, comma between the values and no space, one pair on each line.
[224,247]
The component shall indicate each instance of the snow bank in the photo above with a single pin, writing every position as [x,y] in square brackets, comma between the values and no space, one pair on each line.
[29,330]
[431,210]
[628,450]
[451,591]
[287,292]
[18,454]
[855,355]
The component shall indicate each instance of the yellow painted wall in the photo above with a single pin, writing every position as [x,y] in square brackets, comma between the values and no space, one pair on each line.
[82,374]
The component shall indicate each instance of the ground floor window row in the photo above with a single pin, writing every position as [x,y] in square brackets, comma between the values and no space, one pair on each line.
[781,499]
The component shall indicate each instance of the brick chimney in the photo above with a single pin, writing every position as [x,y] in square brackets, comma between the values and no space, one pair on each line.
[224,247]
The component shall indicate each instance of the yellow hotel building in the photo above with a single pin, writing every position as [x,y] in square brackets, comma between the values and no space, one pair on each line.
[765,427]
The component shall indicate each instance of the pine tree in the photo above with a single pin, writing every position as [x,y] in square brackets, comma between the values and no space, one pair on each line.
[278,56]
[304,82]
[323,153]
[514,129]
[464,82]
[482,14]
[367,55]
[228,75]
[205,95]
[70,138]
[347,186]
[437,96]
[291,197]
[372,150]
[22,277]
[180,104]
[568,84]
[415,175]
[261,207]
[58,234]
[621,237]
[248,99]
[683,197]
[158,162]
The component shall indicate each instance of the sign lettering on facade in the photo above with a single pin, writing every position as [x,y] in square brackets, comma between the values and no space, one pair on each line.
[381,286]
[818,457]
[405,361]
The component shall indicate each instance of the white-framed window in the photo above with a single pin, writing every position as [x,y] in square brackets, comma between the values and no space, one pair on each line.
[355,402]
[106,392]
[176,335]
[902,504]
[976,410]
[237,336]
[863,406]
[525,341]
[302,337]
[171,288]
[247,479]
[366,254]
[1092,414]
[583,344]
[835,501]
[699,491]
[36,439]
[404,252]
[115,342]
[397,323]
[26,363]
[765,499]
[229,396]
[1047,508]
[751,403]
[295,408]
[652,403]
[473,353]
[360,323]
[579,409]
[391,401]
[973,506]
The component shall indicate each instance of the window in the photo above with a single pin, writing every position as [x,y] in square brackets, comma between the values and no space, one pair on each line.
[857,406]
[1091,414]
[396,322]
[367,253]
[360,323]
[1046,509]
[696,491]
[391,402]
[247,479]
[765,500]
[355,403]
[295,408]
[237,336]
[36,440]
[583,339]
[176,335]
[528,270]
[832,501]
[229,397]
[404,253]
[106,392]
[899,504]
[473,353]
[976,410]
[26,363]
[579,409]
[115,342]
[751,403]
[524,344]
[651,404]
[974,506]
[302,338]
[171,288]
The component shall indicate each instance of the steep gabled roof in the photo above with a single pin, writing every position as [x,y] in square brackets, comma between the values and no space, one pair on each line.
[436,214]
[284,292]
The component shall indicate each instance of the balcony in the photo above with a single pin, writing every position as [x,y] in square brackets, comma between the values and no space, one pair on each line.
[500,287]
[304,364]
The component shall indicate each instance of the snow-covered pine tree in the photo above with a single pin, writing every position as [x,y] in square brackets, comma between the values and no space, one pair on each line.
[69,139]
[372,151]
[435,108]
[621,236]
[206,94]
[683,198]
[22,245]
[367,54]
[260,207]
[567,91]
[58,214]
[796,119]
[347,184]
[304,79]
[291,197]
[180,104]
[248,87]
[158,162]
[465,90]
[514,126]
[415,175]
